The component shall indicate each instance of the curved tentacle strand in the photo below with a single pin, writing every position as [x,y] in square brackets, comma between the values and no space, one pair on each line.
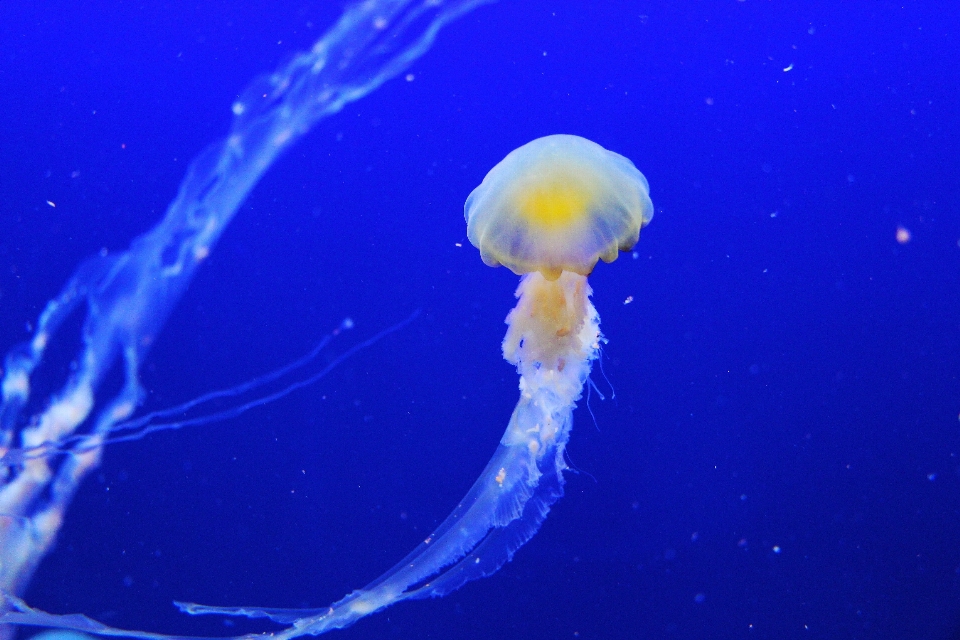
[129,294]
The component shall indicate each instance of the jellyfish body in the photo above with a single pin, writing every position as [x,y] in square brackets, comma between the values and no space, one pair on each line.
[558,203]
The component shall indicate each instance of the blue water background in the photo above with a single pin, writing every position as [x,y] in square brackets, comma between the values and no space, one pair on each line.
[782,458]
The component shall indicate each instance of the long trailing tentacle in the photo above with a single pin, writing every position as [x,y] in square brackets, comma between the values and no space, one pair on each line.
[129,295]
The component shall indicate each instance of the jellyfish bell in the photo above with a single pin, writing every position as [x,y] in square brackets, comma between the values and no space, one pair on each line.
[558,203]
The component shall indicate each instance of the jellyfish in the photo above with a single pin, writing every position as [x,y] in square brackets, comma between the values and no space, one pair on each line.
[548,211]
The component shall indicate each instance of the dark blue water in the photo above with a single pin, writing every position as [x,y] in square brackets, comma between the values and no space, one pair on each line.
[782,457]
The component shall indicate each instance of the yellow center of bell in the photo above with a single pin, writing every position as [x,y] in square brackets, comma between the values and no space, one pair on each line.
[554,205]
